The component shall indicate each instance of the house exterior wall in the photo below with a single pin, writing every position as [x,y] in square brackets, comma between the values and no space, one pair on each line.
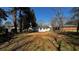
[69,28]
[43,29]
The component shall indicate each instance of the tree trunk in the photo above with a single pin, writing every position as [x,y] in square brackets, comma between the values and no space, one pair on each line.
[78,27]
[20,25]
[15,21]
[20,16]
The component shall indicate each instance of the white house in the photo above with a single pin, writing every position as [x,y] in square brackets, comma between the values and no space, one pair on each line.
[44,29]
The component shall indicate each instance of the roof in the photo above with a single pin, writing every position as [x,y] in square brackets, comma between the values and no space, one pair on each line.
[70,25]
[43,26]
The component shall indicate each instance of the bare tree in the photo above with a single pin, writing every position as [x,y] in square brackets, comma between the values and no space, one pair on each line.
[75,12]
[58,19]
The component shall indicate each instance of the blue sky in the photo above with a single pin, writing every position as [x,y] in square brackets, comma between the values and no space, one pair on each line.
[45,14]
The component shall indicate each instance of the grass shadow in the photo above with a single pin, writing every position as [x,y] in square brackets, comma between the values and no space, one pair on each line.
[5,37]
[74,37]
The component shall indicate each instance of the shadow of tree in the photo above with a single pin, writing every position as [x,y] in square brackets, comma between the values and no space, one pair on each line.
[5,37]
[74,37]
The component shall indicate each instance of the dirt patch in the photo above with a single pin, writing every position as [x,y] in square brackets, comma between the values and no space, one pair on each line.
[44,41]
